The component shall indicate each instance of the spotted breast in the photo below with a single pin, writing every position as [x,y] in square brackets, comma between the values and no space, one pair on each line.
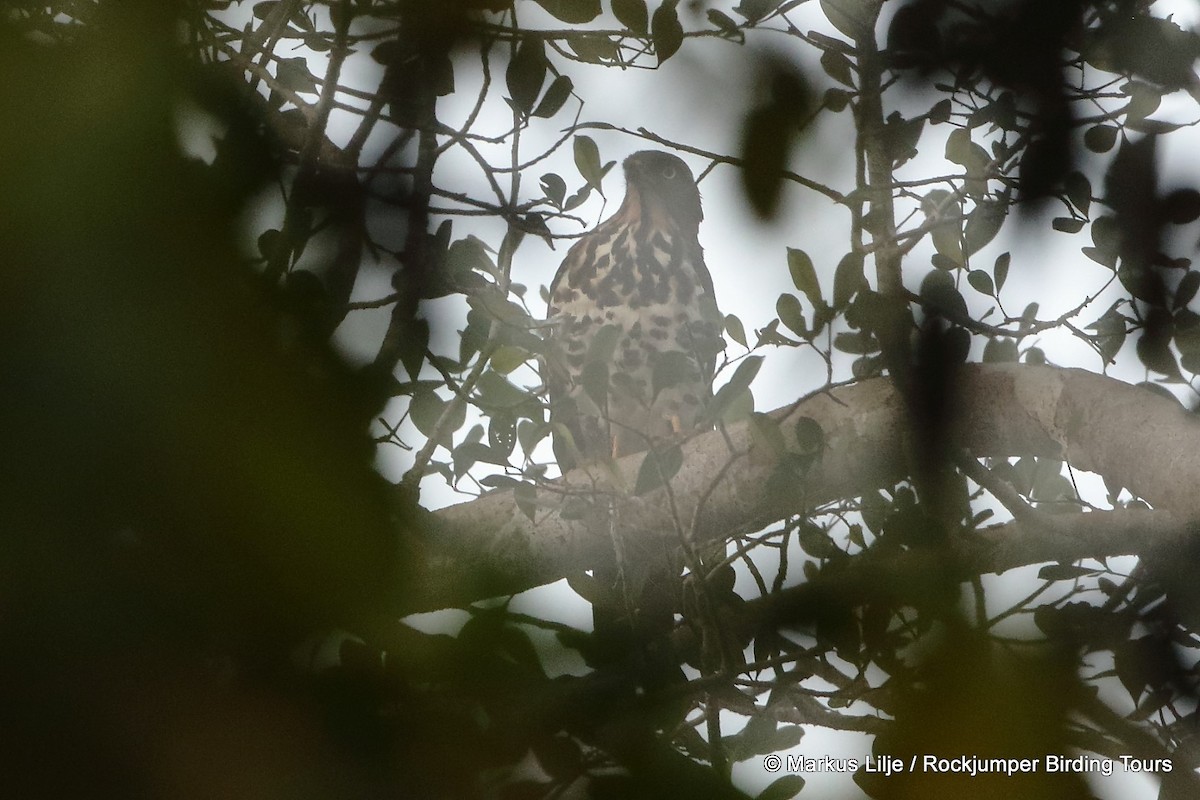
[635,328]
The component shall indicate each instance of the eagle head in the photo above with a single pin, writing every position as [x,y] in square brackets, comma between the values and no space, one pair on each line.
[665,181]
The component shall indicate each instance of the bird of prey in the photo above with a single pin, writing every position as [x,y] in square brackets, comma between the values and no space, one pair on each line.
[633,341]
[635,328]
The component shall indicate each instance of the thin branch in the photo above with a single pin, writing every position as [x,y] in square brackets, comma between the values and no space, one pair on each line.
[718,158]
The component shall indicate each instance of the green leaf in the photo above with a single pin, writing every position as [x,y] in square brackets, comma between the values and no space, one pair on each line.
[1100,138]
[1188,341]
[902,137]
[743,376]
[499,481]
[938,291]
[665,30]
[1029,315]
[657,469]
[855,342]
[766,434]
[725,23]
[293,74]
[1186,290]
[1102,257]
[981,282]
[1106,233]
[572,10]
[1143,101]
[1000,351]
[529,433]
[632,14]
[490,301]
[1063,572]
[555,188]
[1079,191]
[940,112]
[468,454]
[671,369]
[1182,206]
[594,49]
[474,336]
[506,358]
[848,279]
[851,17]
[604,344]
[587,161]
[745,373]
[836,100]
[425,410]
[837,66]
[754,739]
[413,346]
[958,147]
[872,311]
[594,379]
[268,241]
[1140,283]
[317,42]
[754,10]
[947,236]
[1000,269]
[469,255]
[1155,353]
[527,72]
[804,275]
[495,394]
[577,199]
[735,329]
[983,225]
[1067,224]
[525,496]
[786,737]
[560,89]
[502,434]
[1155,48]
[791,314]
[769,335]
[739,408]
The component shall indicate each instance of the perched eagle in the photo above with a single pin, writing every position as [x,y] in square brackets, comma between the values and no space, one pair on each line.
[634,336]
[635,326]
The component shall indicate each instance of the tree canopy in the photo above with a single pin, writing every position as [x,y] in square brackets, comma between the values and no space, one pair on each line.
[260,255]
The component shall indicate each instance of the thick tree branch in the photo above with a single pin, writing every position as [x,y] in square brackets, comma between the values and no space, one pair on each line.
[1133,438]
